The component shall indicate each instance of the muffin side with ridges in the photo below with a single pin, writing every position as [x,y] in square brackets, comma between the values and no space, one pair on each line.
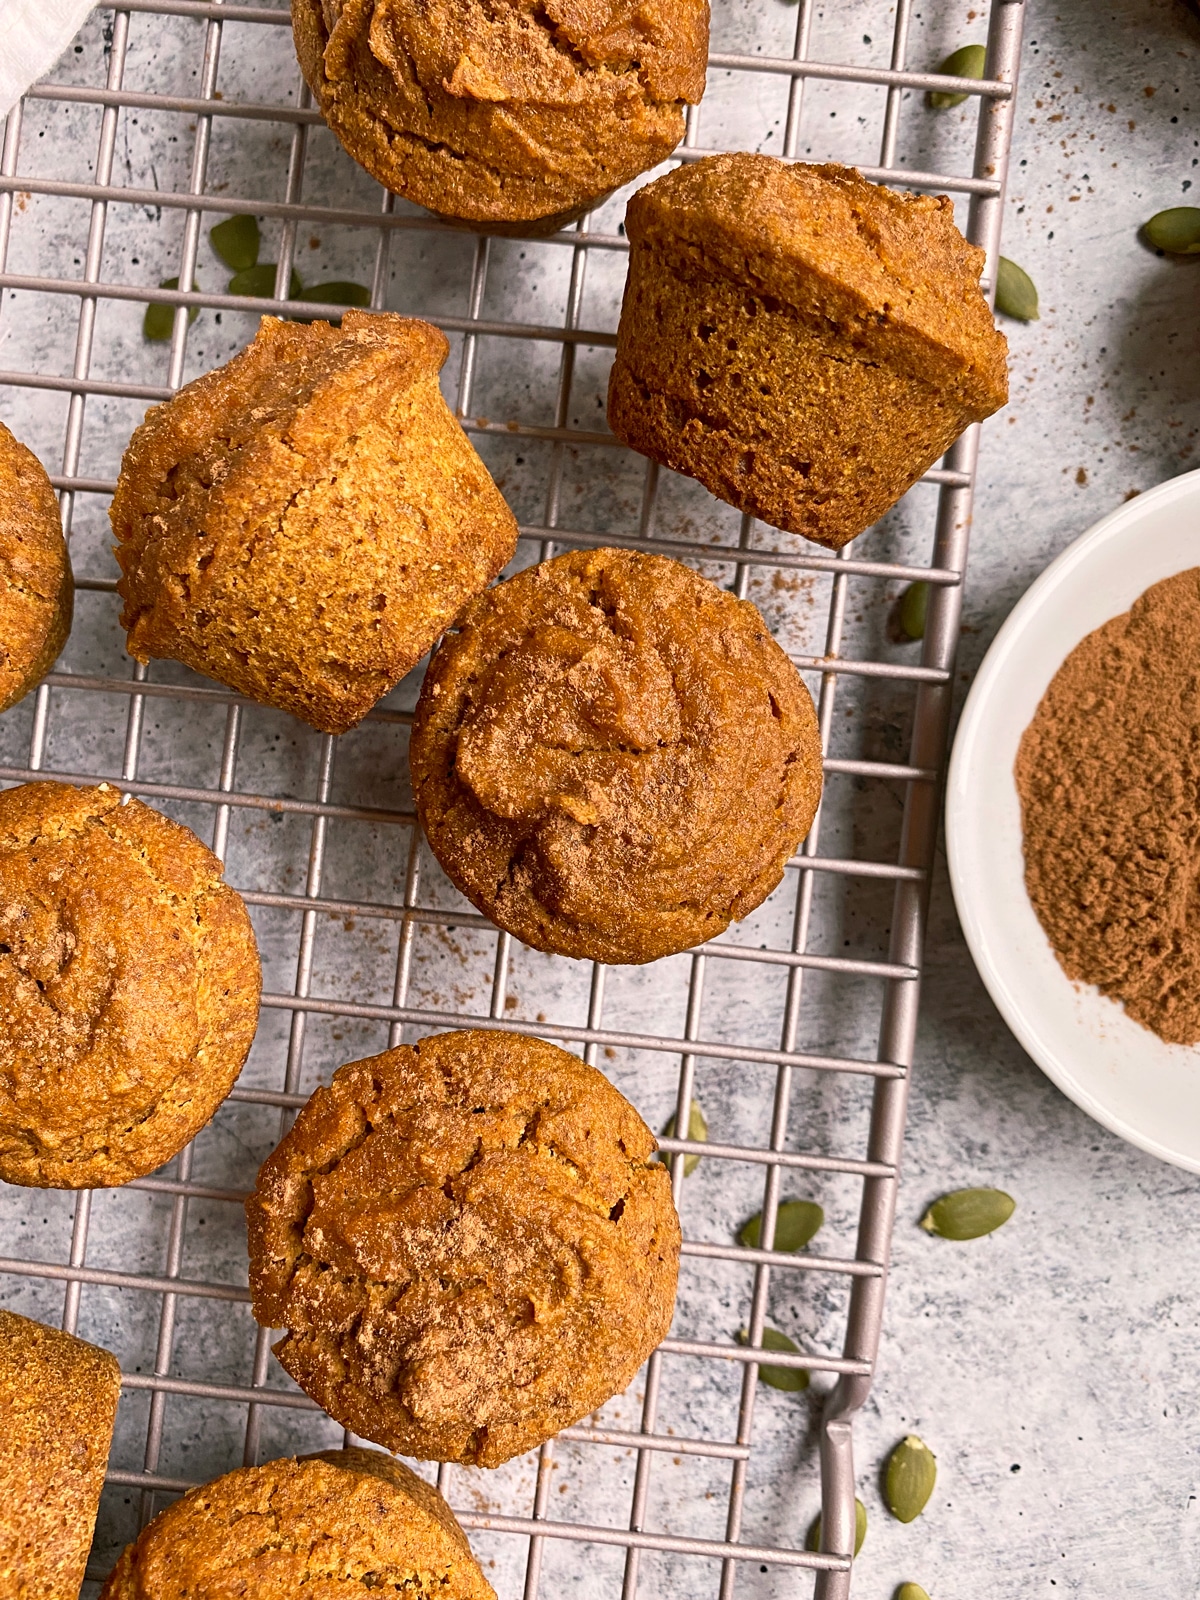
[37,590]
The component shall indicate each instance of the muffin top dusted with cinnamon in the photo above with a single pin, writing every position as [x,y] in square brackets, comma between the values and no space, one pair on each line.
[613,758]
[468,1243]
[129,985]
[58,1402]
[302,523]
[36,589]
[504,111]
[321,1525]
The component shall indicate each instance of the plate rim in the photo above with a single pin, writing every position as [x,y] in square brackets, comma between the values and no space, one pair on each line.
[991,671]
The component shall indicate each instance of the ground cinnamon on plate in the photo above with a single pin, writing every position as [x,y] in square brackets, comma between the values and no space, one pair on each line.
[1109,778]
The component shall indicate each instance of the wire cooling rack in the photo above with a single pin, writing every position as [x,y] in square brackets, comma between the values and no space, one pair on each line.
[794,1032]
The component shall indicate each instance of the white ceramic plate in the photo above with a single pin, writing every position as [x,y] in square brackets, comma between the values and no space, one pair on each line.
[1117,1071]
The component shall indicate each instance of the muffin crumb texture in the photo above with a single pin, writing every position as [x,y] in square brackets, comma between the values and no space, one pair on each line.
[502,111]
[612,757]
[468,1243]
[129,985]
[58,1402]
[1108,773]
[308,1526]
[803,342]
[36,587]
[303,522]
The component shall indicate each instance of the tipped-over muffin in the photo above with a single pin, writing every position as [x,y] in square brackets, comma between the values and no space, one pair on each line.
[468,1244]
[129,984]
[612,757]
[58,1402]
[317,1525]
[501,111]
[303,522]
[803,342]
[36,589]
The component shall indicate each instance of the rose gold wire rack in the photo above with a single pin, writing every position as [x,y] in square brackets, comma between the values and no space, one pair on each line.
[323,844]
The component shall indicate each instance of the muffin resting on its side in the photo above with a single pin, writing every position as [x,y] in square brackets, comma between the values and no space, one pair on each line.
[468,1244]
[613,758]
[36,589]
[129,985]
[58,1402]
[309,1526]
[803,342]
[500,111]
[303,522]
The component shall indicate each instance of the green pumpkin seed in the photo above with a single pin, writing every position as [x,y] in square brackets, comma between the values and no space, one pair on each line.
[697,1132]
[236,241]
[967,62]
[909,1478]
[260,282]
[1176,230]
[1015,292]
[159,321]
[790,1379]
[968,1213]
[796,1221]
[813,1541]
[911,1591]
[910,613]
[338,293]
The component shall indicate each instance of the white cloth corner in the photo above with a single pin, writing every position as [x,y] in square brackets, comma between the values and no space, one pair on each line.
[33,34]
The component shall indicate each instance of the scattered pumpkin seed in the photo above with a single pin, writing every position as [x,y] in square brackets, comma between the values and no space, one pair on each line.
[1015,292]
[1176,230]
[339,293]
[813,1541]
[260,281]
[968,1213]
[911,1591]
[159,321]
[966,62]
[789,1379]
[697,1132]
[909,1478]
[911,612]
[796,1221]
[236,241]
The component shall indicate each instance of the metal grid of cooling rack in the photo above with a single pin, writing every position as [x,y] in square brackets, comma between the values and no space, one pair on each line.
[742,554]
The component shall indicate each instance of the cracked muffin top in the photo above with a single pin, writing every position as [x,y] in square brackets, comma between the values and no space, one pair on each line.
[307,1526]
[129,984]
[303,522]
[613,758]
[36,588]
[468,1244]
[504,111]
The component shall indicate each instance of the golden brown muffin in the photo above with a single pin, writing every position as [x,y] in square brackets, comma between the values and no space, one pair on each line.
[58,1402]
[129,985]
[804,342]
[36,588]
[468,1244]
[311,1526]
[504,111]
[303,522]
[612,757]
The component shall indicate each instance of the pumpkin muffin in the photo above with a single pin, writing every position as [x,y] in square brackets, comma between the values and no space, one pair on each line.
[129,985]
[308,1526]
[302,523]
[36,589]
[468,1244]
[58,1402]
[803,342]
[503,112]
[612,757]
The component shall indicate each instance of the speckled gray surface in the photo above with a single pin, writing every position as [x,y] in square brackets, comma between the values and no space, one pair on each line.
[1051,1367]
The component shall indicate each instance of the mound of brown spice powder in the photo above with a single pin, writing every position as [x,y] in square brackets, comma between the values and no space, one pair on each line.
[1108,773]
